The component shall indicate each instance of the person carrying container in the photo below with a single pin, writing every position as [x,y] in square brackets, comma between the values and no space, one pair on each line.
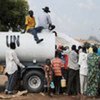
[57,65]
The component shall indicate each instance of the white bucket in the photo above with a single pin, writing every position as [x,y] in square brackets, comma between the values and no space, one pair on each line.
[63,82]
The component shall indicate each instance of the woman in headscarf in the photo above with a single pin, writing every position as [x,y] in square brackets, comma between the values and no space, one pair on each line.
[93,61]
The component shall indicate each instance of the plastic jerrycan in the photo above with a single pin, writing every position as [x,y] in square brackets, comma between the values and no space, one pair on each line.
[63,82]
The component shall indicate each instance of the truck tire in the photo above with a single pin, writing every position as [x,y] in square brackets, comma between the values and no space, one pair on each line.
[33,81]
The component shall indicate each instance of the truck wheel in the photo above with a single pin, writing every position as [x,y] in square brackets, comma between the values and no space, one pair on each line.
[33,81]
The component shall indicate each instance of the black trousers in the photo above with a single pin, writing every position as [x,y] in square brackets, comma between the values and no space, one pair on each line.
[73,82]
[57,82]
[65,74]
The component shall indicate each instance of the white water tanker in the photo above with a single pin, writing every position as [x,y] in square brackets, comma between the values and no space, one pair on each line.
[31,54]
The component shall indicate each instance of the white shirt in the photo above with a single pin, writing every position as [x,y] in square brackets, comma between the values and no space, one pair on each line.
[83,63]
[44,20]
[12,61]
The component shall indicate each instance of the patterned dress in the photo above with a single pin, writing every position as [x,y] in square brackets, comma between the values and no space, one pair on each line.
[48,74]
[93,74]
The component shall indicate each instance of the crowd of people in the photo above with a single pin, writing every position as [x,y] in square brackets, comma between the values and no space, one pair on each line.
[80,68]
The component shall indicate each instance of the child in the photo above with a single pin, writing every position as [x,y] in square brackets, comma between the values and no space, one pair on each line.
[57,65]
[48,75]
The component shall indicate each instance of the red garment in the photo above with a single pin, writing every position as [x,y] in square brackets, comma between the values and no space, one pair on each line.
[66,61]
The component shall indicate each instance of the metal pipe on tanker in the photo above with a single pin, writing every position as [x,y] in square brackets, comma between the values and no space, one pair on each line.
[26,47]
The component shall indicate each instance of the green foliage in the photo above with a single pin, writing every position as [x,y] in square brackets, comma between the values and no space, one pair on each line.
[13,12]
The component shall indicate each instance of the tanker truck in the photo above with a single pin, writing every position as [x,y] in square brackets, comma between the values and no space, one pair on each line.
[31,54]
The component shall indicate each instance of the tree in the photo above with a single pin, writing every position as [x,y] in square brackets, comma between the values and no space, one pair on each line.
[12,13]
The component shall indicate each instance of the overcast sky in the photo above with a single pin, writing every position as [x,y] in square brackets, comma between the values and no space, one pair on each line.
[71,16]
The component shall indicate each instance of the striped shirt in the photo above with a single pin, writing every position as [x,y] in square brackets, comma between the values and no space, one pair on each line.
[57,65]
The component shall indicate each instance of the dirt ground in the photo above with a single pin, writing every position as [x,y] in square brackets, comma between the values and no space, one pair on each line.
[38,96]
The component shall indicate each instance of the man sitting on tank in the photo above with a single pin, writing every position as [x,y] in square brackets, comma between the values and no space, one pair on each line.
[30,24]
[44,20]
